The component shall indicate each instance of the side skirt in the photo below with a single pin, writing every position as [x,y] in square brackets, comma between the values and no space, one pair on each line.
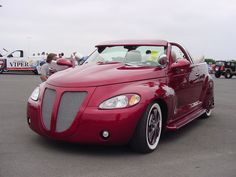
[185,119]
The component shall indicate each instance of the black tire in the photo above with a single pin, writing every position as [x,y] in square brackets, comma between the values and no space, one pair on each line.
[208,108]
[35,72]
[228,74]
[217,75]
[1,71]
[148,131]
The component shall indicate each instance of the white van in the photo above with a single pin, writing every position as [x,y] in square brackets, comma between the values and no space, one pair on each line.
[19,61]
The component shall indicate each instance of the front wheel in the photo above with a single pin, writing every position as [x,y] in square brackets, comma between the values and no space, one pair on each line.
[217,75]
[148,131]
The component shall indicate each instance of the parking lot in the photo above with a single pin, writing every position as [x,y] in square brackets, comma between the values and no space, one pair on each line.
[204,148]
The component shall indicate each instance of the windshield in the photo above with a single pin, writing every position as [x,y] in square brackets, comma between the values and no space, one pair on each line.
[220,63]
[129,55]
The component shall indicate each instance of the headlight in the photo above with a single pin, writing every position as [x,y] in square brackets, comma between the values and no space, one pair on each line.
[35,95]
[120,101]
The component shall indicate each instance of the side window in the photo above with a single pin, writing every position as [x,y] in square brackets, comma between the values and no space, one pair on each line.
[16,54]
[176,53]
[232,64]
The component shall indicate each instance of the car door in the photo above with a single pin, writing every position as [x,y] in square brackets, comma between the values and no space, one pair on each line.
[183,80]
[196,79]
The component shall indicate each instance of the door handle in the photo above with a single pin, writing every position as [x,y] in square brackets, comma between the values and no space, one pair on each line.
[197,74]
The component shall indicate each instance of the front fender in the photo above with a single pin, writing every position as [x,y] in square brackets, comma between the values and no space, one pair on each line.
[149,90]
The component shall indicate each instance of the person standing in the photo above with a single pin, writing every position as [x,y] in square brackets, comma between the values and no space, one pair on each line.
[147,56]
[61,55]
[45,69]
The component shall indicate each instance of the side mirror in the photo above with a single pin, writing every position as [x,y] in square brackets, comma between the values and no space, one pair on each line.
[163,60]
[64,62]
[180,64]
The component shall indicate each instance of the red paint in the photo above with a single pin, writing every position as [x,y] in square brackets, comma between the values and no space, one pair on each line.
[184,87]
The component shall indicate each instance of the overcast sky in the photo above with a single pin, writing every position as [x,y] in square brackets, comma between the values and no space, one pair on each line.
[204,27]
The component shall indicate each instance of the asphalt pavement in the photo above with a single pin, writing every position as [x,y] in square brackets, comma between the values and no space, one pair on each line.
[204,148]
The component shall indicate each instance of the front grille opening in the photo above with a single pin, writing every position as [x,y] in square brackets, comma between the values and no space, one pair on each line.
[47,107]
[69,107]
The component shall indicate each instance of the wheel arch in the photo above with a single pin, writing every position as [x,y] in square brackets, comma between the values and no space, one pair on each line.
[209,94]
[228,69]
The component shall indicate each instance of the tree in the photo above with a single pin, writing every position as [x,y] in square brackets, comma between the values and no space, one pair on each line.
[210,61]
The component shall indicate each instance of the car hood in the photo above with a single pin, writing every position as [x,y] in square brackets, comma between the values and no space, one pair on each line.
[92,75]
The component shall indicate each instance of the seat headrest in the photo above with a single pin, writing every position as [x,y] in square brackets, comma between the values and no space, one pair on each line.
[133,56]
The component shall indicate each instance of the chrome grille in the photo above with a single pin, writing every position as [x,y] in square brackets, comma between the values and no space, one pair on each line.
[69,107]
[47,108]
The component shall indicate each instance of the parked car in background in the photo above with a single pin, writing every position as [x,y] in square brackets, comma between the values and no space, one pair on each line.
[126,92]
[211,64]
[18,60]
[225,68]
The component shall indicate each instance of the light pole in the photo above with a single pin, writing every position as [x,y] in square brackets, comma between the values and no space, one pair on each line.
[28,40]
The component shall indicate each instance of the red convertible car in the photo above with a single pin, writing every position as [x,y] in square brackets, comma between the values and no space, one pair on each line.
[127,92]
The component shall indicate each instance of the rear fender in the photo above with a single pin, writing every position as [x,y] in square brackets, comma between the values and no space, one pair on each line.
[208,94]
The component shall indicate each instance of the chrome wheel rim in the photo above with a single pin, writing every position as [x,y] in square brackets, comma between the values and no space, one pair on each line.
[208,112]
[154,125]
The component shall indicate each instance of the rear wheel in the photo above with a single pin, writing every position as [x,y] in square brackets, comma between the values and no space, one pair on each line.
[207,114]
[228,74]
[208,108]
[148,131]
[217,74]
[35,72]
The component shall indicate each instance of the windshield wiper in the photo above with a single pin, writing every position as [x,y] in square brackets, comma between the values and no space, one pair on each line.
[107,62]
[128,64]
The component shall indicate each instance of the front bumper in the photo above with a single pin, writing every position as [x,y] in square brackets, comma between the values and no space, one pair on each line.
[89,121]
